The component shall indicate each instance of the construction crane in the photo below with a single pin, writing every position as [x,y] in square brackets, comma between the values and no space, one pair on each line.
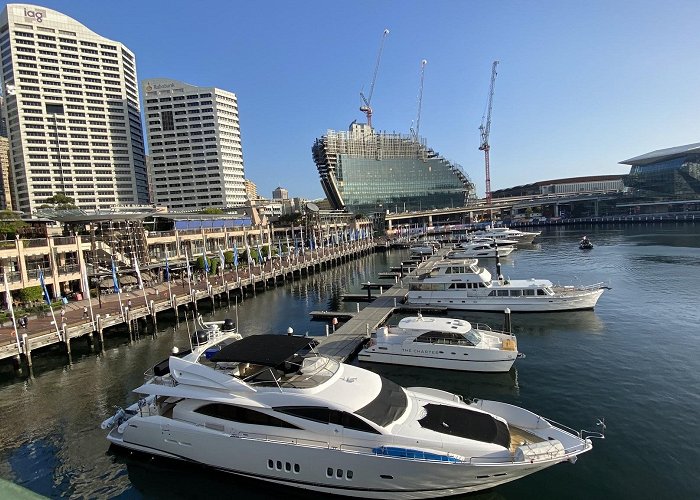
[414,131]
[366,108]
[485,129]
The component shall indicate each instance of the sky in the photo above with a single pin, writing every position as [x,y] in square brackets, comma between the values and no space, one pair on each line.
[581,86]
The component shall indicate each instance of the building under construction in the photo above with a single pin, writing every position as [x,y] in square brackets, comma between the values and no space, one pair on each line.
[365,171]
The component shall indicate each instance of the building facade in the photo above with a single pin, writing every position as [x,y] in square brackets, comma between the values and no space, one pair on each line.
[73,114]
[672,173]
[5,194]
[365,171]
[194,145]
[251,190]
[280,194]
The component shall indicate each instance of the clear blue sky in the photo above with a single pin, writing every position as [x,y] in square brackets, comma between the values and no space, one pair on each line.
[581,85]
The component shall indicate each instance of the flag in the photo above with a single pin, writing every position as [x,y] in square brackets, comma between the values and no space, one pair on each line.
[115,282]
[187,259]
[247,250]
[259,255]
[12,309]
[167,267]
[138,273]
[206,263]
[223,259]
[235,256]
[43,287]
[279,249]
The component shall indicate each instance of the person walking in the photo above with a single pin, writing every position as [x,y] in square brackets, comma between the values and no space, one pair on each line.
[85,312]
[63,315]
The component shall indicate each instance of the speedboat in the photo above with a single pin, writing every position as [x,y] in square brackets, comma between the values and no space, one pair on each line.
[585,244]
[479,251]
[447,343]
[462,284]
[270,407]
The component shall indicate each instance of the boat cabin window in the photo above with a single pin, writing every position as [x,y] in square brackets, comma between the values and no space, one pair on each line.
[328,416]
[528,292]
[242,415]
[502,293]
[516,293]
[541,292]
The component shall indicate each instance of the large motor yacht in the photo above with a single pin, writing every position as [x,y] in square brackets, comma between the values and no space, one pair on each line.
[462,284]
[479,250]
[446,343]
[505,233]
[269,407]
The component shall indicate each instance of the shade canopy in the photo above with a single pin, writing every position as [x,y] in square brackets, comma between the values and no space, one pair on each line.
[265,350]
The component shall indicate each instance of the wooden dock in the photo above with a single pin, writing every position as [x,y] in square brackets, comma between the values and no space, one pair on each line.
[351,336]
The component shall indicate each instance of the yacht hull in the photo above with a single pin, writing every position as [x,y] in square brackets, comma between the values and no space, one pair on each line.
[347,471]
[494,365]
[572,301]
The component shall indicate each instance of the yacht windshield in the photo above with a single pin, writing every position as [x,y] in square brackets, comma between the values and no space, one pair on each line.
[388,406]
[473,337]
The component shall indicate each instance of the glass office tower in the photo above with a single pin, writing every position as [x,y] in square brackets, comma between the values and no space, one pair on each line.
[364,171]
[666,173]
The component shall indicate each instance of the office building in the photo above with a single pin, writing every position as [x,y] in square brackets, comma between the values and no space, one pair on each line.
[671,173]
[73,115]
[365,171]
[194,145]
[280,194]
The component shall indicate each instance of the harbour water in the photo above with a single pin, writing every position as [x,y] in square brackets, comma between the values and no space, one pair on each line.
[635,360]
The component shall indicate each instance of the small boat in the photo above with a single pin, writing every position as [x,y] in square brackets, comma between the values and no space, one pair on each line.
[502,233]
[270,407]
[585,243]
[447,343]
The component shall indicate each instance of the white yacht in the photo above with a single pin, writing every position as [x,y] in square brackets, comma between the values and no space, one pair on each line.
[476,250]
[269,407]
[462,284]
[502,242]
[503,233]
[447,343]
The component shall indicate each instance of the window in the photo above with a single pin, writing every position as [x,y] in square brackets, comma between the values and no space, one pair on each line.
[242,415]
[167,119]
[328,416]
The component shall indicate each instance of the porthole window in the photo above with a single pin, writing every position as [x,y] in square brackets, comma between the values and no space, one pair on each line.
[288,467]
[270,464]
[297,469]
[279,465]
[329,472]
[339,473]
[349,474]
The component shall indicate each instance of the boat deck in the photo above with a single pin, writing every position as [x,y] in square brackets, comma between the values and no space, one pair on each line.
[520,436]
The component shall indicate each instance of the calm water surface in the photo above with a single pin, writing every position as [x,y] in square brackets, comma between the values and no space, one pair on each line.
[635,360]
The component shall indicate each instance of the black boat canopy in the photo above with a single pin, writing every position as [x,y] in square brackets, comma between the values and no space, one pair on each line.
[265,350]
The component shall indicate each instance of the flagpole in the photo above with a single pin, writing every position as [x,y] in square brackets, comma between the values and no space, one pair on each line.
[48,301]
[87,287]
[189,272]
[12,309]
[138,275]
[167,272]
[117,288]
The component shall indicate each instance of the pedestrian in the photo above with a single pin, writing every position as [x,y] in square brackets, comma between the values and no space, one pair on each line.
[63,315]
[85,312]
[26,322]
[21,322]
[128,304]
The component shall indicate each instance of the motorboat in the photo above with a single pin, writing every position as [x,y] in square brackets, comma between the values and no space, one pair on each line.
[585,243]
[502,242]
[424,248]
[479,251]
[463,284]
[502,233]
[270,407]
[446,343]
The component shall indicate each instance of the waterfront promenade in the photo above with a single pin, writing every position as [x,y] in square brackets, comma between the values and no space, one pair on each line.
[127,308]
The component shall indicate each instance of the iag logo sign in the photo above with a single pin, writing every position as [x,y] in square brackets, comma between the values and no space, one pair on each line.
[34,15]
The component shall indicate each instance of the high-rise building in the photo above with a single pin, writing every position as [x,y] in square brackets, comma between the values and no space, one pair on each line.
[365,171]
[73,115]
[5,194]
[3,118]
[251,190]
[194,142]
[280,194]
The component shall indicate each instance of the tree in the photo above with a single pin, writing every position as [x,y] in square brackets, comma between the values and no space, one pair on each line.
[59,202]
[10,223]
[212,211]
[31,294]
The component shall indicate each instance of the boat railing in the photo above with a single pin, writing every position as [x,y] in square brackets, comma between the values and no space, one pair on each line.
[583,433]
